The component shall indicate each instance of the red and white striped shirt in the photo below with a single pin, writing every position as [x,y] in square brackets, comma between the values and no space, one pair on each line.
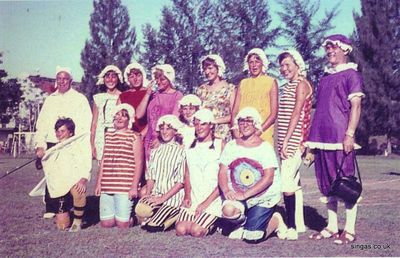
[118,162]
[286,108]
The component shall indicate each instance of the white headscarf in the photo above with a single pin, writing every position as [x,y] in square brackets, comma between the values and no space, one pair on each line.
[138,67]
[190,99]
[249,112]
[167,70]
[218,60]
[204,115]
[100,77]
[261,54]
[298,59]
[170,120]
[128,108]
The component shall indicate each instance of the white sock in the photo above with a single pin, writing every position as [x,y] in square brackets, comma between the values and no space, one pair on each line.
[299,211]
[351,216]
[332,206]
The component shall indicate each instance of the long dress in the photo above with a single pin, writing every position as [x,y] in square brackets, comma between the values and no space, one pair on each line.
[105,104]
[203,164]
[219,103]
[254,93]
[159,105]
[330,122]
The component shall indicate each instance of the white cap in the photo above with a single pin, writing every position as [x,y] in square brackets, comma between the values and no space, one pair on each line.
[340,40]
[261,54]
[204,115]
[218,60]
[100,80]
[170,120]
[249,112]
[128,108]
[298,59]
[167,70]
[190,99]
[60,69]
[138,67]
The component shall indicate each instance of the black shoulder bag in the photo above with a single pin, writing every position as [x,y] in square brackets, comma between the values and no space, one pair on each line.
[346,187]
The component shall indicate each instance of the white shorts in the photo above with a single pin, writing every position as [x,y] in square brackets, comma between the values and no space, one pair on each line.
[290,174]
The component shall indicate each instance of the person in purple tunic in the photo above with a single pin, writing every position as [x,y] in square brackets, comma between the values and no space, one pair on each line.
[161,99]
[332,132]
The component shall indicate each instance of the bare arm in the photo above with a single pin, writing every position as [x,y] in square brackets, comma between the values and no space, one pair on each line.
[302,92]
[355,112]
[93,129]
[273,97]
[99,177]
[223,179]
[186,185]
[235,111]
[141,109]
[138,154]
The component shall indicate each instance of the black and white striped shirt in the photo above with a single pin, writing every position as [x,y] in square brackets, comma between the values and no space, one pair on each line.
[167,167]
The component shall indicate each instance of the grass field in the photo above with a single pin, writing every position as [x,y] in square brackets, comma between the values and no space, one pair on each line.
[23,232]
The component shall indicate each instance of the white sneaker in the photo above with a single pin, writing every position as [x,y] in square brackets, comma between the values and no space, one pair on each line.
[281,230]
[49,215]
[237,233]
[292,234]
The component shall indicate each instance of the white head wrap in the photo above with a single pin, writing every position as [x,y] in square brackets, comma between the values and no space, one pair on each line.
[218,60]
[138,67]
[190,99]
[298,59]
[128,108]
[261,54]
[205,116]
[100,80]
[167,70]
[249,112]
[170,120]
[60,69]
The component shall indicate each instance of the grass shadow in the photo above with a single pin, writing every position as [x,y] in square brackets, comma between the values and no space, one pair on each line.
[92,215]
[313,219]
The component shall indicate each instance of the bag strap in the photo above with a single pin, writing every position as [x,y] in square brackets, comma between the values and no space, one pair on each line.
[340,169]
[358,169]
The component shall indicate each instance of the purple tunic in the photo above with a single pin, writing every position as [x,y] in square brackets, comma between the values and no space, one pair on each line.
[330,123]
[159,105]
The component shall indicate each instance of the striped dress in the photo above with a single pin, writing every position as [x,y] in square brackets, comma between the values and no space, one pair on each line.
[286,108]
[167,167]
[118,162]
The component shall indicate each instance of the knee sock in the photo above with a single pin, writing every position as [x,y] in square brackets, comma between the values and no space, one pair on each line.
[351,215]
[332,214]
[79,206]
[290,205]
[299,213]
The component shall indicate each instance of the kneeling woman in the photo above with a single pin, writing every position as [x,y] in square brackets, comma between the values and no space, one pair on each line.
[202,204]
[250,181]
[163,193]
[120,170]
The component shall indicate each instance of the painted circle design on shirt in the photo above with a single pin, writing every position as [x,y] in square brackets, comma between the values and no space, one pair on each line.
[244,174]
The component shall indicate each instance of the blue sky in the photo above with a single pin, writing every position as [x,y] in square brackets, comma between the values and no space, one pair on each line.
[39,35]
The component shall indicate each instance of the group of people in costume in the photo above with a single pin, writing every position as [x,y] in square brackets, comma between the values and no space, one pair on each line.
[219,158]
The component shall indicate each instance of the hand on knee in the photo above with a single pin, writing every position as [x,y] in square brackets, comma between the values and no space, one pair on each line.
[230,212]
